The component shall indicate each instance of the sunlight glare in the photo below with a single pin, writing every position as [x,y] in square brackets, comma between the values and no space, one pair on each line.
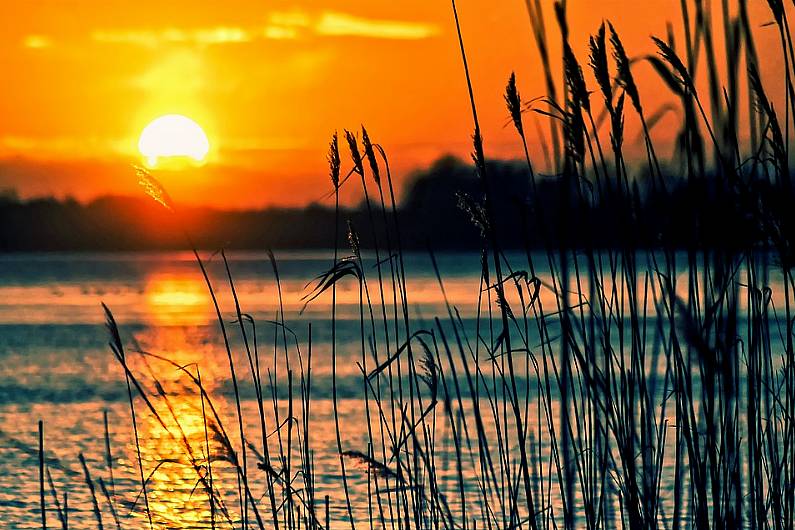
[174,300]
[172,136]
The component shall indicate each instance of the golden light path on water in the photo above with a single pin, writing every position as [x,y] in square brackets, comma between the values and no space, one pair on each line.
[185,452]
[56,367]
[174,299]
[180,442]
[178,455]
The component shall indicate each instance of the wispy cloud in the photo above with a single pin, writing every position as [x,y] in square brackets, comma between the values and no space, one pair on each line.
[331,23]
[281,25]
[153,38]
[280,32]
[36,42]
[338,24]
[291,19]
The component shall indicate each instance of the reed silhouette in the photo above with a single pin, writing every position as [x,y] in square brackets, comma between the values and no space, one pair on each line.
[638,373]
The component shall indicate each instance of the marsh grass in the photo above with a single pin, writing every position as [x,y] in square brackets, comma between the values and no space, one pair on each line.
[654,388]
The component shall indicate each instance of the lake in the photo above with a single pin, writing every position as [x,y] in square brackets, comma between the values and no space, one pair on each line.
[56,366]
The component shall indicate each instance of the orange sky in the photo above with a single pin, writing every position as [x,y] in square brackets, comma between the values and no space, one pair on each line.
[270,81]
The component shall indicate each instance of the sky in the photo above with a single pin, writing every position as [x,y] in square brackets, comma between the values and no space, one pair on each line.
[270,81]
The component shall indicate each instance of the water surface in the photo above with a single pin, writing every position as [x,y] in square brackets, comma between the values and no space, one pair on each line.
[56,366]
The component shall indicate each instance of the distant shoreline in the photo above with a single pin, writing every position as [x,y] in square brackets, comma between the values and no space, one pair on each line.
[438,210]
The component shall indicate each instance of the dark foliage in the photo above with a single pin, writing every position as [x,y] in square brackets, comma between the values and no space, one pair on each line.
[694,215]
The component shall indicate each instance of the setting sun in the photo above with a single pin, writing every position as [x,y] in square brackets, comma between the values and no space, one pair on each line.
[225,225]
[173,136]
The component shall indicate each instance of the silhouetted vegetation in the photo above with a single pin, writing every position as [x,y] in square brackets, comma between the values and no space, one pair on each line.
[601,385]
[435,211]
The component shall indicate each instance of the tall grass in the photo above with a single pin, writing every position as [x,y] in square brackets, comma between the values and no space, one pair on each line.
[596,388]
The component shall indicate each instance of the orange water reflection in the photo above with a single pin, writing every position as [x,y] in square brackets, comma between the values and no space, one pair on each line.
[178,300]
[182,450]
[181,447]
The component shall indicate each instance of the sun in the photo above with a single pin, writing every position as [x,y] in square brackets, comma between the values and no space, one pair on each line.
[173,136]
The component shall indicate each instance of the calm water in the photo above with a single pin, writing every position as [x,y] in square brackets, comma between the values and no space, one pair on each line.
[56,366]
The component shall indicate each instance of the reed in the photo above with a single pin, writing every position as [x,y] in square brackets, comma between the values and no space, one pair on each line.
[599,388]
[42,506]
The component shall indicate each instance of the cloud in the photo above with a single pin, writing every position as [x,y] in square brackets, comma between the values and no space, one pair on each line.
[281,25]
[341,24]
[279,33]
[36,42]
[292,19]
[153,38]
[337,24]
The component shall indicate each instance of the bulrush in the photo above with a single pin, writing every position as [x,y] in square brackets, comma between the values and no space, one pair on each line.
[334,160]
[356,156]
[369,152]
[601,70]
[153,188]
[514,102]
[624,76]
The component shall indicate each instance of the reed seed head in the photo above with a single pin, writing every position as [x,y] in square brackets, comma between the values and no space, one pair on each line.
[334,160]
[356,155]
[624,77]
[514,102]
[154,189]
[598,62]
[369,152]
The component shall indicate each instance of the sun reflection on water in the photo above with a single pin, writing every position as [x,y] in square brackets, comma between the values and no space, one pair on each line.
[178,300]
[179,442]
[181,446]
